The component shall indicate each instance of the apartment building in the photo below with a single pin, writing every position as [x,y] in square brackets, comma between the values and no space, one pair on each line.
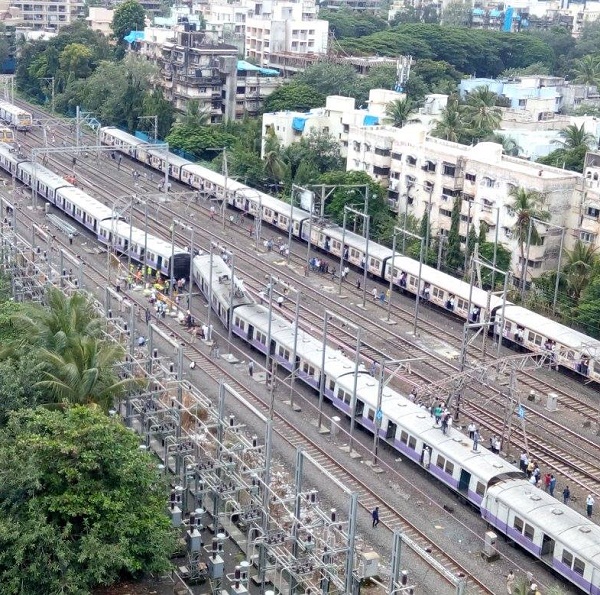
[586,212]
[424,173]
[49,15]
[335,118]
[193,66]
[277,34]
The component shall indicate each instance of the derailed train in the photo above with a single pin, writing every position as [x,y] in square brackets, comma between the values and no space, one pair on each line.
[520,328]
[539,523]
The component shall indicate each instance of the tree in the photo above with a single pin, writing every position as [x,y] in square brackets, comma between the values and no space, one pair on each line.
[351,23]
[199,141]
[59,325]
[571,159]
[274,165]
[294,96]
[588,309]
[320,149]
[509,144]
[580,268]
[83,375]
[454,257]
[400,111]
[194,116]
[573,137]
[527,206]
[329,78]
[481,113]
[81,504]
[457,14]
[128,16]
[451,125]
[154,104]
[75,61]
[587,71]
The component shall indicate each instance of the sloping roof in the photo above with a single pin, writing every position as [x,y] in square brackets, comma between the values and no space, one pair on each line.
[243,65]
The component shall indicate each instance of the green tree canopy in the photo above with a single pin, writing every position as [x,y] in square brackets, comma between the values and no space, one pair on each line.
[294,96]
[81,505]
[329,78]
[352,23]
[201,141]
[128,16]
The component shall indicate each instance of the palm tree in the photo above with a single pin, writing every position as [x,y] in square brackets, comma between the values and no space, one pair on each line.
[509,144]
[450,126]
[481,112]
[573,137]
[400,112]
[58,325]
[580,267]
[587,71]
[273,162]
[84,375]
[527,205]
[194,115]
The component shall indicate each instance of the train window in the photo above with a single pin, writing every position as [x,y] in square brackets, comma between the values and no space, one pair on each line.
[529,531]
[354,253]
[412,281]
[412,443]
[567,558]
[440,461]
[311,370]
[480,489]
[403,437]
[449,467]
[462,304]
[375,263]
[283,352]
[438,293]
[371,414]
[518,524]
[579,566]
[535,338]
[331,384]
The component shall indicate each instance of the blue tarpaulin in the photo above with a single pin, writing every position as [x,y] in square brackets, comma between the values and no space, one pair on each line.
[370,120]
[508,18]
[134,36]
[298,124]
[243,65]
[478,12]
[495,13]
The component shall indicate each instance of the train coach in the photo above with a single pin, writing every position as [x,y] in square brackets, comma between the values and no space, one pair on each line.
[15,116]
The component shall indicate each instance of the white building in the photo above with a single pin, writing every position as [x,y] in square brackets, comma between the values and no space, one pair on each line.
[335,118]
[49,14]
[585,220]
[100,19]
[277,30]
[426,173]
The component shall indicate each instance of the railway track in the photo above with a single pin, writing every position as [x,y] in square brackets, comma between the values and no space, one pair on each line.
[390,516]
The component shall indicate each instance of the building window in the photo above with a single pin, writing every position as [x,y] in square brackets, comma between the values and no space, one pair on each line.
[449,169]
[382,152]
[593,212]
[586,237]
[471,178]
[410,160]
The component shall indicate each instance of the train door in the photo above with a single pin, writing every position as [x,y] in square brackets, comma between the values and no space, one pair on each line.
[159,261]
[250,332]
[360,408]
[548,547]
[272,347]
[464,481]
[426,455]
[390,433]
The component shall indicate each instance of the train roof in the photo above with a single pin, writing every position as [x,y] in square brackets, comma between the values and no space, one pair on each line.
[130,139]
[174,159]
[308,348]
[10,107]
[86,203]
[559,521]
[43,174]
[221,280]
[279,206]
[551,329]
[452,285]
[8,151]
[138,236]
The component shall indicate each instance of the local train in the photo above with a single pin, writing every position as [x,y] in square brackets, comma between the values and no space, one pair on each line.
[520,328]
[107,224]
[539,523]
[15,116]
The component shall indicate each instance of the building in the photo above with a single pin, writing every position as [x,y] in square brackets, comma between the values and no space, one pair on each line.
[335,118]
[358,5]
[100,19]
[424,173]
[278,34]
[586,212]
[50,15]
[193,66]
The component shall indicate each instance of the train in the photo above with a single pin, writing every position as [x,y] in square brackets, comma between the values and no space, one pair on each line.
[520,328]
[15,116]
[554,533]
[109,227]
